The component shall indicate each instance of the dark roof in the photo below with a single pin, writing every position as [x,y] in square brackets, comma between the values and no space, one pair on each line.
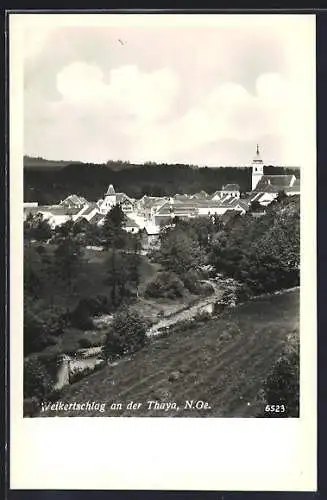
[130,222]
[149,202]
[89,209]
[96,218]
[81,219]
[293,189]
[121,197]
[181,197]
[277,181]
[202,194]
[228,215]
[231,187]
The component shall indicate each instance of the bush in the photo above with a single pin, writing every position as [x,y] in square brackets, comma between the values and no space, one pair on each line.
[96,305]
[37,380]
[202,317]
[80,318]
[127,334]
[85,343]
[36,337]
[282,385]
[191,281]
[165,285]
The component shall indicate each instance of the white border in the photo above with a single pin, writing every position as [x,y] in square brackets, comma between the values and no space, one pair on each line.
[171,454]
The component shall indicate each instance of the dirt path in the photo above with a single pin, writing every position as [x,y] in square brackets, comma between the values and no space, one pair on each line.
[202,305]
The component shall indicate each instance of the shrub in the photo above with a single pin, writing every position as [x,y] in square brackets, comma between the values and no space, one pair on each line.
[202,316]
[282,385]
[165,285]
[85,343]
[37,380]
[80,318]
[96,305]
[127,334]
[191,281]
[36,337]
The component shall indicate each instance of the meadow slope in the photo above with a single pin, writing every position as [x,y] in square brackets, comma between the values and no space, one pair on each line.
[223,362]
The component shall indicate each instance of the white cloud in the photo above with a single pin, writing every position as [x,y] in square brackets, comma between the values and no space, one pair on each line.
[146,95]
[169,92]
[229,112]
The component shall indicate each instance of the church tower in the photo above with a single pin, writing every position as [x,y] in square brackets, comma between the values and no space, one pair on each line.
[257,169]
[110,199]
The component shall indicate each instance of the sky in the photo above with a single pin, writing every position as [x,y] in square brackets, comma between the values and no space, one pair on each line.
[194,89]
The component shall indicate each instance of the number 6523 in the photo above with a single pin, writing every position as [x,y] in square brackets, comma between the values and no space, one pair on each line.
[275,408]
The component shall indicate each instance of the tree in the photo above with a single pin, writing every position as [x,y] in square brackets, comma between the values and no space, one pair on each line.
[180,251]
[282,196]
[65,230]
[118,276]
[67,260]
[112,229]
[165,285]
[37,228]
[37,381]
[135,261]
[127,334]
[255,206]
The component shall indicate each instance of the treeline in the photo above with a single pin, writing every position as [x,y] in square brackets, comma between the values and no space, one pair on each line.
[51,185]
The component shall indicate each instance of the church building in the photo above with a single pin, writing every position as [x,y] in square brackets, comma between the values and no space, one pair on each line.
[271,185]
[111,198]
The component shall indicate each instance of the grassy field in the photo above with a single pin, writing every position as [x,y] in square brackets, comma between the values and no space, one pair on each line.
[222,362]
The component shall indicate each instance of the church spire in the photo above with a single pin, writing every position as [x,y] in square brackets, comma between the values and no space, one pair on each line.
[257,158]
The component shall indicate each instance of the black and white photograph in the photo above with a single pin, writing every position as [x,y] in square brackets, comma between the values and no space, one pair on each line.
[162,185]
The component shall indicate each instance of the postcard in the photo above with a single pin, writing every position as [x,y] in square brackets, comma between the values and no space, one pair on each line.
[162,251]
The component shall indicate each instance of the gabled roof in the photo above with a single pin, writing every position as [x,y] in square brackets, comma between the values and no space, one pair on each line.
[149,202]
[200,195]
[73,198]
[110,190]
[231,187]
[217,193]
[90,208]
[96,218]
[130,223]
[80,219]
[277,181]
[122,197]
[254,196]
[181,197]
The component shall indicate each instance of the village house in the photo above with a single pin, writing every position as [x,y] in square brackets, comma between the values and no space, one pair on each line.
[74,201]
[232,190]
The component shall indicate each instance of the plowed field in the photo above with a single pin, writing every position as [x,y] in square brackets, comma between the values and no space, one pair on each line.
[221,362]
